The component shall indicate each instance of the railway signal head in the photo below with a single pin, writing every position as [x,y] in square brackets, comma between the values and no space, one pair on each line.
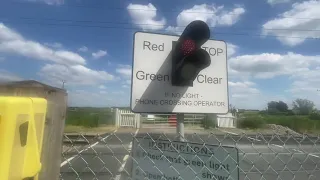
[188,58]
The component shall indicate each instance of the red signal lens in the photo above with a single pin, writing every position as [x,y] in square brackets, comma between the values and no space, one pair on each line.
[188,46]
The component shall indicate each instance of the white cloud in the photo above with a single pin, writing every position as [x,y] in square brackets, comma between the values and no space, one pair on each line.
[99,54]
[49,2]
[244,94]
[117,92]
[269,65]
[211,14]
[242,88]
[102,87]
[125,73]
[306,84]
[244,84]
[53,2]
[306,80]
[85,98]
[273,2]
[54,45]
[76,74]
[7,76]
[145,16]
[103,92]
[228,18]
[231,49]
[83,49]
[300,23]
[303,71]
[14,43]
[7,34]
[124,70]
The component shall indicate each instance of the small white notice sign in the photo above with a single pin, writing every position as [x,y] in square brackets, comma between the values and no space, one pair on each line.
[151,78]
[162,159]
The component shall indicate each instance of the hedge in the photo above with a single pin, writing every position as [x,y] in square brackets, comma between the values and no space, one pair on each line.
[89,117]
[251,122]
[297,123]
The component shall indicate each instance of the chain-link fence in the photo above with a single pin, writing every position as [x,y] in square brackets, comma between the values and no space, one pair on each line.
[205,154]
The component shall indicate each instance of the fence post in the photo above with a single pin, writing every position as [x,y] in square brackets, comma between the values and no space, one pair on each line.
[52,141]
[180,126]
[116,116]
[137,120]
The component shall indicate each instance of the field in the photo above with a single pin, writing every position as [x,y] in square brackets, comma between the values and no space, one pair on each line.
[298,123]
[88,130]
[87,118]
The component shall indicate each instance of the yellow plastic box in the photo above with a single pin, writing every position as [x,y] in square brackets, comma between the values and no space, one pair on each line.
[21,133]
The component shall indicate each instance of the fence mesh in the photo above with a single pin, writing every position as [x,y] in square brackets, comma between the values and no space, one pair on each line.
[137,154]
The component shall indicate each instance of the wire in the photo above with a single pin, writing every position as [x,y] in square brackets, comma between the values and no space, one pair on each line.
[121,8]
[131,28]
[139,24]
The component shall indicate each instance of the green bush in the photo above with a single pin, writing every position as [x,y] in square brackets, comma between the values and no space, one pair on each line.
[273,111]
[254,113]
[209,121]
[89,117]
[296,123]
[290,113]
[316,125]
[253,122]
[263,112]
[314,116]
[277,113]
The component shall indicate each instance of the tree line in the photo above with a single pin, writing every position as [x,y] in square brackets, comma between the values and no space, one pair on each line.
[299,107]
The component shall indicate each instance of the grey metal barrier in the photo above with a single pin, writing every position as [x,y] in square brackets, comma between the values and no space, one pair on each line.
[219,154]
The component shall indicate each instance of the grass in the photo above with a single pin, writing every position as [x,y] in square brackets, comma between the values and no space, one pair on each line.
[315,132]
[251,122]
[89,117]
[95,130]
[301,124]
[297,123]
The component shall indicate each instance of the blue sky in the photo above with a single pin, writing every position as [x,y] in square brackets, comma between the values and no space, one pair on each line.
[272,45]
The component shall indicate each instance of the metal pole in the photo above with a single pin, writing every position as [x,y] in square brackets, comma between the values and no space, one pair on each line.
[180,126]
